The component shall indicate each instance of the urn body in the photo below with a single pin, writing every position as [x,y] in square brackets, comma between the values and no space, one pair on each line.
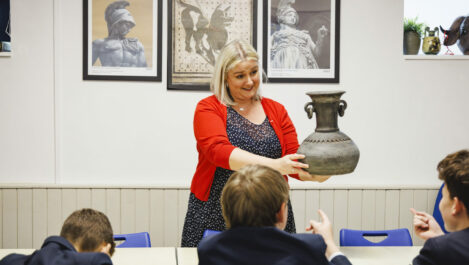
[327,150]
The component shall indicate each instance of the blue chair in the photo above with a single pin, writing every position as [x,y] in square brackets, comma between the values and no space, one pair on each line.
[436,210]
[135,240]
[355,238]
[209,232]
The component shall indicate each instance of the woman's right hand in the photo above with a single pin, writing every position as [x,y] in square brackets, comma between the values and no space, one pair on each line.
[287,166]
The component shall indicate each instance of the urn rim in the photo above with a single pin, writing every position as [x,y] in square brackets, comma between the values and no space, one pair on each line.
[319,93]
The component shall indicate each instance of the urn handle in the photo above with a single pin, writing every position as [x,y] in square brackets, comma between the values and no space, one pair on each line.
[309,109]
[342,107]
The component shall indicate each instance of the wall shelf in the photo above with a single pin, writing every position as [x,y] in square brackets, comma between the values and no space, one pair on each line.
[436,57]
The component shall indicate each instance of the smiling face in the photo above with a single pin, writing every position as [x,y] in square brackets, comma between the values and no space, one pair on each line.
[243,81]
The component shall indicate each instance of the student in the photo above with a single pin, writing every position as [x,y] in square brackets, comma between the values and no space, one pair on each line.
[85,231]
[451,248]
[254,205]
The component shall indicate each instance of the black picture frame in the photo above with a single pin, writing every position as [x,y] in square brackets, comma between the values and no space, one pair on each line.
[146,35]
[312,15]
[190,66]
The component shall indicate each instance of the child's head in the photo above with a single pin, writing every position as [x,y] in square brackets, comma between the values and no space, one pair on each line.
[253,196]
[88,230]
[454,171]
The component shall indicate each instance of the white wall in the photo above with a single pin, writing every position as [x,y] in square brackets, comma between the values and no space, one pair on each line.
[27,95]
[404,115]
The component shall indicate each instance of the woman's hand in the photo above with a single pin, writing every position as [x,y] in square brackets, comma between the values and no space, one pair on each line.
[305,176]
[287,165]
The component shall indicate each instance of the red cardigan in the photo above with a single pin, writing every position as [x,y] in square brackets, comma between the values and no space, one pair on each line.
[214,146]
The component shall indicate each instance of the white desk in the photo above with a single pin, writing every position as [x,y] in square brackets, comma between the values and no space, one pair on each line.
[144,256]
[6,251]
[187,256]
[381,255]
[125,256]
[356,255]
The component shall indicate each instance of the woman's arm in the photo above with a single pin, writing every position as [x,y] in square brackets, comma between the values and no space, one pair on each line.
[285,165]
[210,133]
[213,143]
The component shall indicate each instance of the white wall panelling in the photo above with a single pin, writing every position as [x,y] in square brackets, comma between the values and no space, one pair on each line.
[29,215]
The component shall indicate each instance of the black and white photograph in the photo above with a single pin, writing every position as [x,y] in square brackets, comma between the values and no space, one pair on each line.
[122,40]
[198,31]
[301,41]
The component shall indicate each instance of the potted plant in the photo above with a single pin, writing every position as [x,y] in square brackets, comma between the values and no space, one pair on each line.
[413,31]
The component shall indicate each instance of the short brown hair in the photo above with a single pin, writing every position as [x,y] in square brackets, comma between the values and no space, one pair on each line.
[252,196]
[454,171]
[88,229]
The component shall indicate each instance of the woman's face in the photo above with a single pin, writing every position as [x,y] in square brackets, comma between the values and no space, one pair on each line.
[243,81]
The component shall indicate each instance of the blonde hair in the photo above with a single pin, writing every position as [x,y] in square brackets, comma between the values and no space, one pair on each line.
[233,53]
[253,196]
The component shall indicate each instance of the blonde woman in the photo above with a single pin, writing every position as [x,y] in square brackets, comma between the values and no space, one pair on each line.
[234,127]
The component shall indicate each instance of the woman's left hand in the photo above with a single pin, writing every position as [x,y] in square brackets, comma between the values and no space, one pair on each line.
[306,176]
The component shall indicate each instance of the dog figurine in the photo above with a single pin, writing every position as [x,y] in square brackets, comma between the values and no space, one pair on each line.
[459,30]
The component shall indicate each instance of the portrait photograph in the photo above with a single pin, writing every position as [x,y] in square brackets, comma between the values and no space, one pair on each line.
[199,29]
[122,40]
[301,41]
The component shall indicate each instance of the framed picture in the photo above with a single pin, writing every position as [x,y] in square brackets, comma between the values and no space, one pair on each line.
[122,40]
[301,41]
[199,30]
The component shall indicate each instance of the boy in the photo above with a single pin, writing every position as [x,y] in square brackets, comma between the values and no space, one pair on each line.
[452,248]
[254,206]
[85,230]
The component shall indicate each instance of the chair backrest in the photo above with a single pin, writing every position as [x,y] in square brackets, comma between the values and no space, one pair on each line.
[209,232]
[436,209]
[396,237]
[135,240]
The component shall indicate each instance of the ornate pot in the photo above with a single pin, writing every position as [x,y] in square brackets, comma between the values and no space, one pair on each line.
[328,151]
[431,43]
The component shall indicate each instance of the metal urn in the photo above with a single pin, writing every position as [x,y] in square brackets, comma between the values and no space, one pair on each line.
[328,151]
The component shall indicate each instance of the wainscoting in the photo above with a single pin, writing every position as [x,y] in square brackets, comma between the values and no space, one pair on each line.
[29,214]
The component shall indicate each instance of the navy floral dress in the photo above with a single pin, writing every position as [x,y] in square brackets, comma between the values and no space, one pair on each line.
[258,139]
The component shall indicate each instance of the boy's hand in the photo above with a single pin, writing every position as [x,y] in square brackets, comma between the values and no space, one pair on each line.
[324,228]
[425,226]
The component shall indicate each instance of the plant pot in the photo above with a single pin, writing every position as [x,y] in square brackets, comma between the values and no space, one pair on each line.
[411,42]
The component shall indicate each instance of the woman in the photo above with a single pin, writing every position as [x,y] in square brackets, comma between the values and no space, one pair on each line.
[235,127]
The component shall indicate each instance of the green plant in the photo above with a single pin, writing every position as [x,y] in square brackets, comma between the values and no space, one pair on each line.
[411,24]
